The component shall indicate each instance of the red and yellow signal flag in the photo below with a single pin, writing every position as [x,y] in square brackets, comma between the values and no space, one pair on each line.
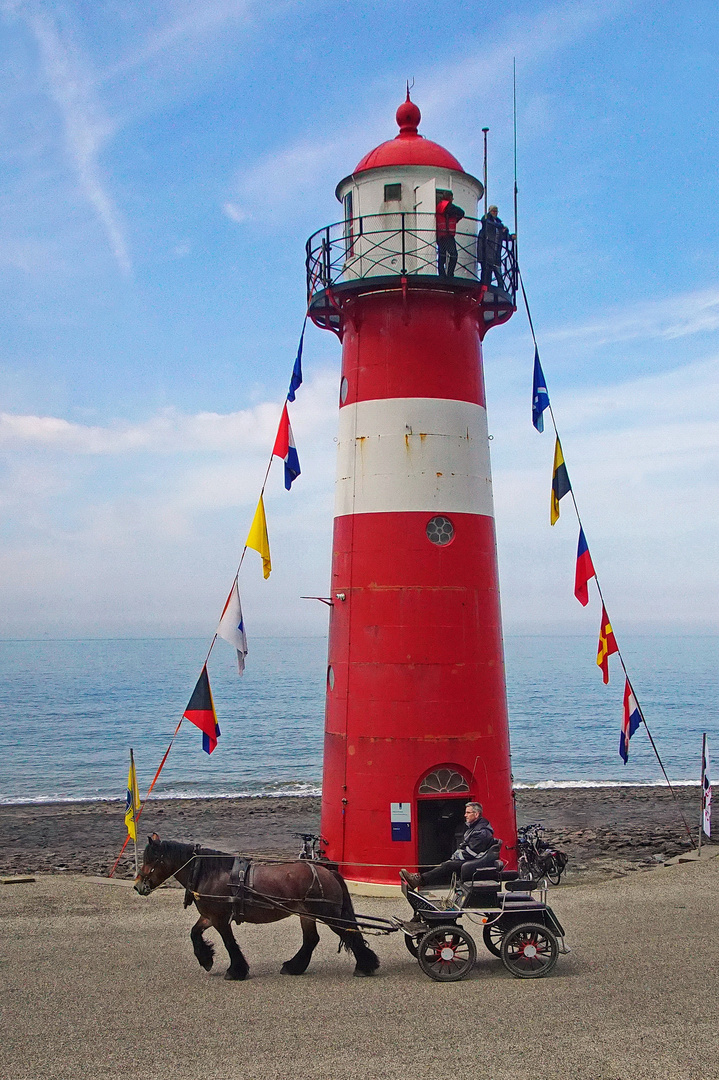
[560,482]
[607,645]
[200,711]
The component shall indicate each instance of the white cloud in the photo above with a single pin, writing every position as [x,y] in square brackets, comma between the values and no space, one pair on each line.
[172,432]
[309,165]
[677,316]
[87,129]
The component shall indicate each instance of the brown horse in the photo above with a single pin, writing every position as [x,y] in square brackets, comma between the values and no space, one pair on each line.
[277,890]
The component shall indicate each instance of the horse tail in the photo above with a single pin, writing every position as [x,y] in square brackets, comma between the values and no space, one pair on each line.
[349,933]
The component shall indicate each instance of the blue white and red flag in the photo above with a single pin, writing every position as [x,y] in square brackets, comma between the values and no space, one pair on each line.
[584,572]
[632,720]
[285,448]
[706,791]
[231,627]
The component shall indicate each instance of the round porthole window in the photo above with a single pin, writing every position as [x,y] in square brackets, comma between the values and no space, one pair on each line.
[331,677]
[344,388]
[440,530]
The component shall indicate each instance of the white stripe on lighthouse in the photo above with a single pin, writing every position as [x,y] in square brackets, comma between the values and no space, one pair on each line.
[413,454]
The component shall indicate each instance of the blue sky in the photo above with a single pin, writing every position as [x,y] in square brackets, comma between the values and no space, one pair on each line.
[163,164]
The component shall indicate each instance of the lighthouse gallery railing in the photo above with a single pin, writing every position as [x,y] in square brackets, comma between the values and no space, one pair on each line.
[404,245]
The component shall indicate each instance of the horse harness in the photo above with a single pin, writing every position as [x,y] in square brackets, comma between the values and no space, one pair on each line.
[241,882]
[241,877]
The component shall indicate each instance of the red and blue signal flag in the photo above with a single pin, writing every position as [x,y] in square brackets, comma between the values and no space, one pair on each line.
[285,448]
[200,711]
[632,720]
[584,572]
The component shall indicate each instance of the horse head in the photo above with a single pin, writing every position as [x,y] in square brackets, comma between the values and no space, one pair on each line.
[153,870]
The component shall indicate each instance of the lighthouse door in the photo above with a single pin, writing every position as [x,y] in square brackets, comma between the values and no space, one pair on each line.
[441,800]
[425,205]
[440,827]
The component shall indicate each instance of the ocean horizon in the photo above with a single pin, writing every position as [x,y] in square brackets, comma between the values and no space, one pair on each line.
[72,708]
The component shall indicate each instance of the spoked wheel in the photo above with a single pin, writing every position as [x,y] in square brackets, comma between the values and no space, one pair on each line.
[529,951]
[493,936]
[411,944]
[553,871]
[447,953]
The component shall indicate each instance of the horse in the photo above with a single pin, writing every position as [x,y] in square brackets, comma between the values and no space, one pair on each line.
[211,879]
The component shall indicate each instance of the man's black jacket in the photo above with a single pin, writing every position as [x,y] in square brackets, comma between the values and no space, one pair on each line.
[477,838]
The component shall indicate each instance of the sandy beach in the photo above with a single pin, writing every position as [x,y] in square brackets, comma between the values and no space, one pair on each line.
[605,831]
[97,982]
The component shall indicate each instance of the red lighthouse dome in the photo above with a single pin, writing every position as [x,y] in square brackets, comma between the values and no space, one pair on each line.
[409,147]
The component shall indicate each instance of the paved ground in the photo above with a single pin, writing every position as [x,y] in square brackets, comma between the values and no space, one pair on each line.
[97,982]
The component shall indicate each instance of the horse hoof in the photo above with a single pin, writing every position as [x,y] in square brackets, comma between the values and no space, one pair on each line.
[207,964]
[287,970]
[234,976]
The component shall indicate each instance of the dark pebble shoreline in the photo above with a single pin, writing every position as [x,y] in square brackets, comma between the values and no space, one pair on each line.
[605,831]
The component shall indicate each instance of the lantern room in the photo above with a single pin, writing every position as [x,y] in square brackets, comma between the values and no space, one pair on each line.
[390,233]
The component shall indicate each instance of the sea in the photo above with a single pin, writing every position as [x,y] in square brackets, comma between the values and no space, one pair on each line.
[71,710]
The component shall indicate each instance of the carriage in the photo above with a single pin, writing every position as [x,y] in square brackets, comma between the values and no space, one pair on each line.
[518,926]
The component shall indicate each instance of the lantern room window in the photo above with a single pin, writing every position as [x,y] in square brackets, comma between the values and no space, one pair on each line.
[393,193]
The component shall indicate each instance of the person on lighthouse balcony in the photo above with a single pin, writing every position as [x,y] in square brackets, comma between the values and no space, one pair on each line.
[448,214]
[479,848]
[489,246]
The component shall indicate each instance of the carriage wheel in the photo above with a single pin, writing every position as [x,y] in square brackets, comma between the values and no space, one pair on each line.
[447,953]
[529,951]
[412,944]
[493,935]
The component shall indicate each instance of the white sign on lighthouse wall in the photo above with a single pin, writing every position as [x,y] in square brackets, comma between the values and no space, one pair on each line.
[400,815]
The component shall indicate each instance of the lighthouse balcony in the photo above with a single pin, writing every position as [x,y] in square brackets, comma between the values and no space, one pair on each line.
[401,251]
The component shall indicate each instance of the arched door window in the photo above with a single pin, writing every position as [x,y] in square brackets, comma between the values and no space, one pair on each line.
[443,782]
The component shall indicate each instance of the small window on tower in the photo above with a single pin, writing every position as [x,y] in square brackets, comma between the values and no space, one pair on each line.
[440,530]
[393,193]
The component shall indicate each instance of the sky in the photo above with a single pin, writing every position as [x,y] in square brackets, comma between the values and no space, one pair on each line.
[163,164]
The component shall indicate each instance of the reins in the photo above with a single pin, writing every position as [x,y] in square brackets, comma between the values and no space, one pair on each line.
[275,902]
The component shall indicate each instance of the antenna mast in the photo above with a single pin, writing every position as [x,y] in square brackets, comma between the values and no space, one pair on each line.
[485,130]
[516,189]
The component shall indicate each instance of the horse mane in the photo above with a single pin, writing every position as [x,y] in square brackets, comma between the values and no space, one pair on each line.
[206,860]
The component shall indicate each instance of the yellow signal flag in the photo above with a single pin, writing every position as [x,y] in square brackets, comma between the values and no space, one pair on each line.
[132,800]
[257,538]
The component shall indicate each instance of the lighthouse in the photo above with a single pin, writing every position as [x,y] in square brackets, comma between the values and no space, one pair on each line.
[416,711]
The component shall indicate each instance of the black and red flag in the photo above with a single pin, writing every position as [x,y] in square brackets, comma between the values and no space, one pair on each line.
[200,711]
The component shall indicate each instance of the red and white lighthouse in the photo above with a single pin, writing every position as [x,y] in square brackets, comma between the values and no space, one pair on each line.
[416,716]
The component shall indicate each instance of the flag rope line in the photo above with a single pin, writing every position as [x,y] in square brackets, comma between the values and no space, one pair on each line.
[214,636]
[599,588]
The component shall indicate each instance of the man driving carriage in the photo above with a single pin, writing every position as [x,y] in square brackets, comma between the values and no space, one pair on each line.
[479,848]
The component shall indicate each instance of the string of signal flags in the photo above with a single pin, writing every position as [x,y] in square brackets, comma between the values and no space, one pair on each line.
[632,714]
[200,709]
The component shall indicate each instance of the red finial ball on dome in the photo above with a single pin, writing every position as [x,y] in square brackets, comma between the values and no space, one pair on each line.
[408,117]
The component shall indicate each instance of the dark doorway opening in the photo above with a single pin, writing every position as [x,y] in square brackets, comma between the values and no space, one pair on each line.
[441,825]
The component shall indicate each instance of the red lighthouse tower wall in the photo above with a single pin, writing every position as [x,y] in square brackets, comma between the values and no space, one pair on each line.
[416,692]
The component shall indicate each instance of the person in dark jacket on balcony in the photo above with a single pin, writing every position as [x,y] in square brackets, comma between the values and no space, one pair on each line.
[493,234]
[448,214]
[478,849]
